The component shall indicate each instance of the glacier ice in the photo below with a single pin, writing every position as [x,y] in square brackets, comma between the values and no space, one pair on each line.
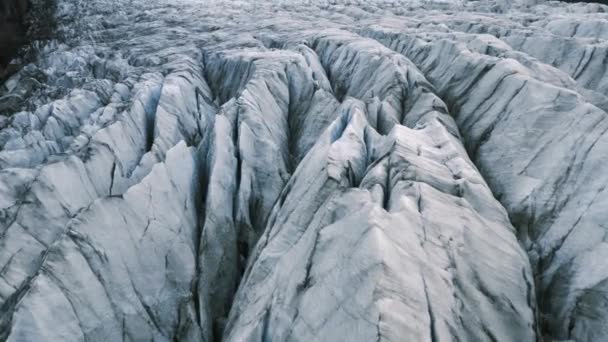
[307,170]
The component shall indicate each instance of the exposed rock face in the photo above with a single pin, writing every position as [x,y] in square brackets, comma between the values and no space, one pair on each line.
[12,28]
[266,171]
[23,21]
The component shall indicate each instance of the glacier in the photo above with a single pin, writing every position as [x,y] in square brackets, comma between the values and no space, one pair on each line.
[386,170]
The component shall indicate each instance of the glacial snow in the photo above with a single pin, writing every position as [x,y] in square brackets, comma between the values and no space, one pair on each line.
[313,170]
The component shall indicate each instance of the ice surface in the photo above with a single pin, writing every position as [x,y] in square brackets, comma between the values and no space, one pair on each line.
[308,170]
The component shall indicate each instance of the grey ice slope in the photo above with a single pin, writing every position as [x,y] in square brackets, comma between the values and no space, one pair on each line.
[241,171]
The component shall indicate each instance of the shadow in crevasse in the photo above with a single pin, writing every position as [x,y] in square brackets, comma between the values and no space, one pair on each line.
[603,2]
[22,22]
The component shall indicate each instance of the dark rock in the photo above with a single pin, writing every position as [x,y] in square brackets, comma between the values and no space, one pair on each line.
[12,29]
[10,104]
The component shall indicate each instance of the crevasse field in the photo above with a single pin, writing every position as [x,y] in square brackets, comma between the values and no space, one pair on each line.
[195,170]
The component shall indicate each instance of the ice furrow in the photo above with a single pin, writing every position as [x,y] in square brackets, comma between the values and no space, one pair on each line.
[550,208]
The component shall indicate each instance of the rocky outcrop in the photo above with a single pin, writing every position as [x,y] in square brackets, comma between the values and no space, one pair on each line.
[261,171]
[24,25]
[12,30]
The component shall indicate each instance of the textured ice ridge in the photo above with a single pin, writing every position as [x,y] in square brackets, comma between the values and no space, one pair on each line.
[312,170]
